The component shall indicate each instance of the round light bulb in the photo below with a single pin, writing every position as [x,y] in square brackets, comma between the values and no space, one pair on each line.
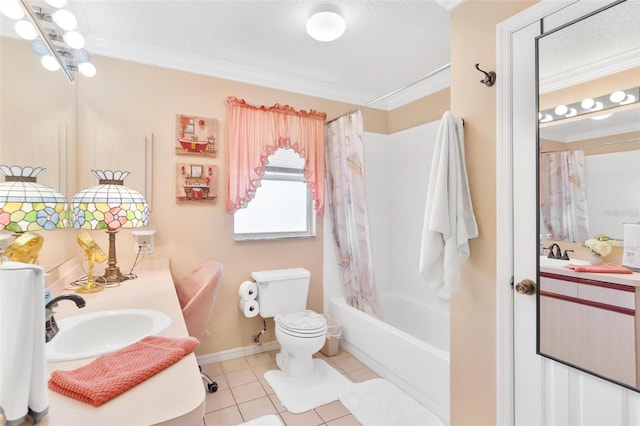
[630,99]
[87,69]
[326,23]
[56,3]
[587,103]
[80,55]
[65,19]
[74,39]
[572,113]
[12,9]
[50,63]
[39,47]
[26,30]
[597,107]
[546,118]
[561,110]
[617,96]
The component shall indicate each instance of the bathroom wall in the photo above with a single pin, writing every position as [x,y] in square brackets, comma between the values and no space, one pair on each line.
[130,95]
[136,96]
[473,307]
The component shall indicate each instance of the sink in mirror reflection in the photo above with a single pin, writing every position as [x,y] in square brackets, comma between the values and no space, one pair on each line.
[97,333]
[545,261]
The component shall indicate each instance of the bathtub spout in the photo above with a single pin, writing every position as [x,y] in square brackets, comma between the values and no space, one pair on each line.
[256,337]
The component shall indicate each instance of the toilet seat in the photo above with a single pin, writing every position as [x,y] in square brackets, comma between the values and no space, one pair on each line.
[303,324]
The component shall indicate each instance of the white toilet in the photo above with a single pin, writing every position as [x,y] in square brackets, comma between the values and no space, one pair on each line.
[282,294]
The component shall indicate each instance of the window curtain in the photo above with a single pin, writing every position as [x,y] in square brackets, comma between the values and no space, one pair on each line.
[563,195]
[348,209]
[255,132]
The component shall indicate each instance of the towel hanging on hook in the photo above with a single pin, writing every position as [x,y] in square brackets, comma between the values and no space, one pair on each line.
[489,77]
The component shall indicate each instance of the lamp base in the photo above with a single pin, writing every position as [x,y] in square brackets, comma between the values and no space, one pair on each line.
[112,275]
[90,287]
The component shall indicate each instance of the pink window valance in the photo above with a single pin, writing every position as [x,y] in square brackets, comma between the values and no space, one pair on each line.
[255,132]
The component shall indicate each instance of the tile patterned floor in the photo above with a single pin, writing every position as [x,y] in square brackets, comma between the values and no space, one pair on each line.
[243,393]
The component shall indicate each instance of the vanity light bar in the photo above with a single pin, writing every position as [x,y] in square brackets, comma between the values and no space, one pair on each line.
[31,16]
[590,105]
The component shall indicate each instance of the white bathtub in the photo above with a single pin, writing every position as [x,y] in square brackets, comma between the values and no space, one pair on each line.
[418,366]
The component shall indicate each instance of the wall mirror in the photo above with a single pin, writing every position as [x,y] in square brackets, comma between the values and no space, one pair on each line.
[589,169]
[38,114]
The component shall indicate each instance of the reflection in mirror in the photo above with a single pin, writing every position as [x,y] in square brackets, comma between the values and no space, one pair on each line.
[589,169]
[579,135]
[38,128]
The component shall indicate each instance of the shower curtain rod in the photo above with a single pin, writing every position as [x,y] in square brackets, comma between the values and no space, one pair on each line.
[594,145]
[398,90]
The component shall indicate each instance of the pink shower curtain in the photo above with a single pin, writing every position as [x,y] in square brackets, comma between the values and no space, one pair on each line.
[563,197]
[344,139]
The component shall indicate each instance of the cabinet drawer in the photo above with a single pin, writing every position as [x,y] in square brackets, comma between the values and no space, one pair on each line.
[608,296]
[565,288]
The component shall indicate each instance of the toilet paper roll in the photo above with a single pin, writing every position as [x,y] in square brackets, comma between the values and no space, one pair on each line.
[248,290]
[249,308]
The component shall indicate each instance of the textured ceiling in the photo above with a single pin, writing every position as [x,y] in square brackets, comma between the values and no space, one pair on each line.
[610,37]
[387,44]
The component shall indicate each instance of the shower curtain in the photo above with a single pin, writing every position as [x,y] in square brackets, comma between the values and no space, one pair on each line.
[344,159]
[563,195]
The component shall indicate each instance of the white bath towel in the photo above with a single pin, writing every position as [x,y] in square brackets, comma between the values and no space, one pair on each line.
[449,222]
[23,367]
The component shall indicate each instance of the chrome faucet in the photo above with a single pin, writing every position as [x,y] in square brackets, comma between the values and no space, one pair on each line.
[51,327]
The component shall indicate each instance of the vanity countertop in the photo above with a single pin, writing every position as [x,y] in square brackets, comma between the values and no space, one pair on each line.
[632,279]
[174,396]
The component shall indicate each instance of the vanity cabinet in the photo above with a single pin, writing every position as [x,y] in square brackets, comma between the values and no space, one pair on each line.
[590,322]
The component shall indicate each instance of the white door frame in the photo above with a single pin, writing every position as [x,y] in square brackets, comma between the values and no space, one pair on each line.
[504,196]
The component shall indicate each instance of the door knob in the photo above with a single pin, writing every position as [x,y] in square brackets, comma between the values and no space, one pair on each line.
[526,287]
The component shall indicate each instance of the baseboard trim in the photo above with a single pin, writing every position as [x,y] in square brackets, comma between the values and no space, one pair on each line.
[237,353]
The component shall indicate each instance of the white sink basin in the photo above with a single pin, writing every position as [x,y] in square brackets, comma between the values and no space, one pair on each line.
[97,333]
[545,261]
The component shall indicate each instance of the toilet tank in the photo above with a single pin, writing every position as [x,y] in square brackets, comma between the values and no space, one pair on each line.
[281,291]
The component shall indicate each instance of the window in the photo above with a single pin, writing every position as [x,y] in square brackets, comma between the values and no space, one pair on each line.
[282,206]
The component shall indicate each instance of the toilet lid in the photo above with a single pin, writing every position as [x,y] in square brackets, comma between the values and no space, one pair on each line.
[305,321]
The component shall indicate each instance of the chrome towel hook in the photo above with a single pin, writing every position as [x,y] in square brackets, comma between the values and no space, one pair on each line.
[489,77]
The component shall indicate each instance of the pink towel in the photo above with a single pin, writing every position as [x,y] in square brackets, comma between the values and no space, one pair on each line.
[110,375]
[608,268]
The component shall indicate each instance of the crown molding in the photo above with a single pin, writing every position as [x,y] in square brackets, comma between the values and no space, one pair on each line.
[612,65]
[433,84]
[450,4]
[187,62]
[196,64]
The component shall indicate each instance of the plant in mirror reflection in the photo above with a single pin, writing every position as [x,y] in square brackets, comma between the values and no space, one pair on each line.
[601,245]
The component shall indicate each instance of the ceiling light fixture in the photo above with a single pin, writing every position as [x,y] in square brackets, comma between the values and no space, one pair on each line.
[326,23]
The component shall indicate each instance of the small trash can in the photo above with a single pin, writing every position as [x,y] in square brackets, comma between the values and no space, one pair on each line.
[334,333]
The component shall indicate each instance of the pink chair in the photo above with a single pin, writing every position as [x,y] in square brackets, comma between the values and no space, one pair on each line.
[197,293]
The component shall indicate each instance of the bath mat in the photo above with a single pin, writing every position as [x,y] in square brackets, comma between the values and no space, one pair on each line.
[268,420]
[379,402]
[300,394]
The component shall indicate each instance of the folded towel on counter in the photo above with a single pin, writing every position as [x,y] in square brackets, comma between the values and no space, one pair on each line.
[608,268]
[110,375]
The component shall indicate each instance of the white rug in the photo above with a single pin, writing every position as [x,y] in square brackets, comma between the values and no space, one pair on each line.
[379,402]
[300,394]
[268,420]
